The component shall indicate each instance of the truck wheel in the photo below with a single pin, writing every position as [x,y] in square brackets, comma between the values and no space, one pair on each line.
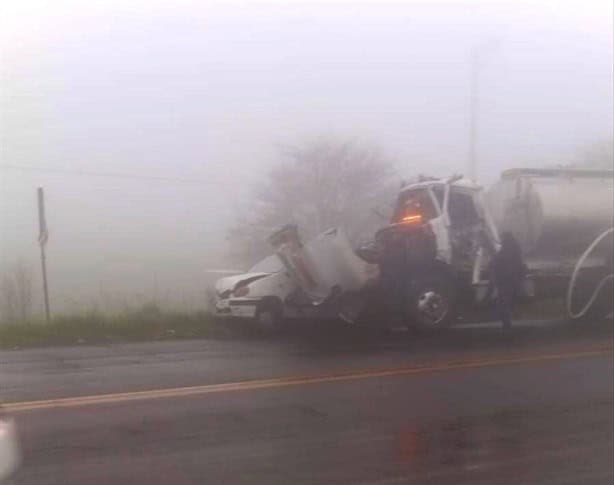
[431,303]
[269,316]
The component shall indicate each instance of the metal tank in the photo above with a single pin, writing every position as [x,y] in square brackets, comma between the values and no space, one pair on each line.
[554,213]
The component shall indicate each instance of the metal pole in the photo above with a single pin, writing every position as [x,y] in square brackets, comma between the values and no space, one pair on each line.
[473,114]
[43,235]
[479,53]
[45,287]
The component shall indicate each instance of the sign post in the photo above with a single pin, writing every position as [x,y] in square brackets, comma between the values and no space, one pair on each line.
[43,237]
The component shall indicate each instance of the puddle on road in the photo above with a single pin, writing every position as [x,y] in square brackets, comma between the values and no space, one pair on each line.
[525,436]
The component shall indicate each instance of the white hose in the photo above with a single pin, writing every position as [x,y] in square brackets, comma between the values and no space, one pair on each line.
[574,275]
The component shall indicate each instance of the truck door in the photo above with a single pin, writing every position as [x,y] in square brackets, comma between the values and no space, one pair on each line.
[440,224]
[470,236]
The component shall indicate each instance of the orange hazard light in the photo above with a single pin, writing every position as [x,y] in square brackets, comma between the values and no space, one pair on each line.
[412,219]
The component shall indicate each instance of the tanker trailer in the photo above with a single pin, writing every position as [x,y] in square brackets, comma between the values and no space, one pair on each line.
[563,220]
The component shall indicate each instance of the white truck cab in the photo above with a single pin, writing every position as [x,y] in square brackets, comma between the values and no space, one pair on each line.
[455,211]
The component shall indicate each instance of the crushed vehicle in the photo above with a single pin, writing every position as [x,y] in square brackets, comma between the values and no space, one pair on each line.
[265,294]
[430,264]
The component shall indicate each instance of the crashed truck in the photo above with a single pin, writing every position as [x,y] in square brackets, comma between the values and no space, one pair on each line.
[429,267]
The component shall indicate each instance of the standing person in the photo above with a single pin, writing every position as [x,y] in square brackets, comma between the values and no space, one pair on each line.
[507,274]
[393,271]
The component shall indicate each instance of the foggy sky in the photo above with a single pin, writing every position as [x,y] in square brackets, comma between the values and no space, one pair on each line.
[208,91]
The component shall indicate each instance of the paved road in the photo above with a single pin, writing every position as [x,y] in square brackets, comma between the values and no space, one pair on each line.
[468,407]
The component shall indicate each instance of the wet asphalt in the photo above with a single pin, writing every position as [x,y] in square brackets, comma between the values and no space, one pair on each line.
[470,406]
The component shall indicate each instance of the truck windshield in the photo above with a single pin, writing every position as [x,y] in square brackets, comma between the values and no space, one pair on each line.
[462,210]
[415,207]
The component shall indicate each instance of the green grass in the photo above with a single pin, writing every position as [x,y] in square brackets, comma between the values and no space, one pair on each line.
[151,324]
[145,325]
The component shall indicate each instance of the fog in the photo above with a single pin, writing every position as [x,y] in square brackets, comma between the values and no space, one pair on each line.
[190,102]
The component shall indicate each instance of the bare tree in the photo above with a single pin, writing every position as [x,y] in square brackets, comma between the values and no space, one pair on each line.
[320,184]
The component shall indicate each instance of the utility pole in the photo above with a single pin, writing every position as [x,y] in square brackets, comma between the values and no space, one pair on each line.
[43,237]
[478,53]
[474,106]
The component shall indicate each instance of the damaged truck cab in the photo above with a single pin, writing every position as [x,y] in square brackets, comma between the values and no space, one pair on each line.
[432,254]
[436,250]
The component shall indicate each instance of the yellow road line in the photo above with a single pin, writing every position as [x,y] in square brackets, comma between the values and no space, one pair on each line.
[290,381]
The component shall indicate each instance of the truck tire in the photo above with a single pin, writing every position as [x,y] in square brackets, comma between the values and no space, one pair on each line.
[269,316]
[431,302]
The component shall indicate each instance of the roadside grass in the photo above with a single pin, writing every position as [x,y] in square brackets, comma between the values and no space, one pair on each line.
[147,324]
[150,323]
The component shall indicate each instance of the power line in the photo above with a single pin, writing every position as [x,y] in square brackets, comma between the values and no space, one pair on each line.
[87,173]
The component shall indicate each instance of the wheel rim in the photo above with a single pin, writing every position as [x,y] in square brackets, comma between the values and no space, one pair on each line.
[432,307]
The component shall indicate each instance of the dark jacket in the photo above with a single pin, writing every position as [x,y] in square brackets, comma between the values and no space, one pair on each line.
[507,267]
